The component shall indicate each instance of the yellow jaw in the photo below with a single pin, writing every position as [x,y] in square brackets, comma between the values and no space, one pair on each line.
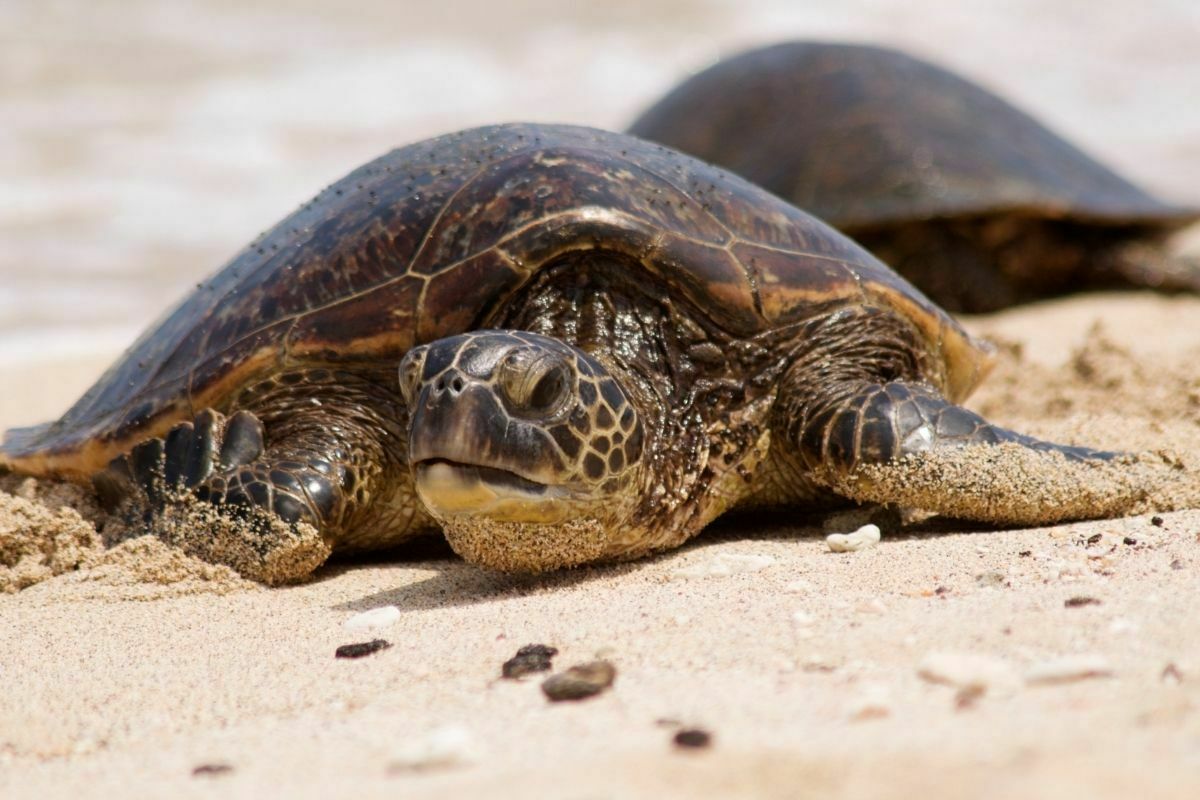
[449,489]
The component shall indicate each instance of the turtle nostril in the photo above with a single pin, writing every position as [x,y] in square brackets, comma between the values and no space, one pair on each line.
[457,384]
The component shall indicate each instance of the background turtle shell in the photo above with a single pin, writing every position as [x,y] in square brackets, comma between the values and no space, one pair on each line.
[865,136]
[426,241]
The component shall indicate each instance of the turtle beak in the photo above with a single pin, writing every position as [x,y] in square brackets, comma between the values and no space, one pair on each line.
[470,457]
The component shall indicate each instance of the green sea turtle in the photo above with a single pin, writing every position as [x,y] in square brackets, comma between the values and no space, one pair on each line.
[974,201]
[558,344]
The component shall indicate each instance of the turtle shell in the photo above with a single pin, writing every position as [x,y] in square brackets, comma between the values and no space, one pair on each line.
[428,240]
[865,136]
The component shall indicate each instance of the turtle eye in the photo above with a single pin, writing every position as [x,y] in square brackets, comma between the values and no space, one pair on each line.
[536,382]
[411,368]
[549,389]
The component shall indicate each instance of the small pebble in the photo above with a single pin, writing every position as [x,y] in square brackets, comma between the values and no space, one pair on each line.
[212,770]
[1129,540]
[872,606]
[966,671]
[1076,602]
[692,738]
[444,747]
[723,565]
[1094,539]
[861,539]
[580,681]
[1068,669]
[968,696]
[990,580]
[361,649]
[380,617]
[1025,553]
[1177,564]
[529,659]
[873,702]
[1156,521]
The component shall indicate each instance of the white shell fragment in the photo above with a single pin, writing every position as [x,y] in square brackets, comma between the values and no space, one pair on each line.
[442,748]
[380,617]
[861,539]
[724,564]
[967,671]
[1068,669]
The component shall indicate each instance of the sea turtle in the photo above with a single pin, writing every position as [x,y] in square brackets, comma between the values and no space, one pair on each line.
[560,345]
[974,201]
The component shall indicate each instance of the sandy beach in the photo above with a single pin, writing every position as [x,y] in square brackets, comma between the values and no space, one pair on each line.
[950,660]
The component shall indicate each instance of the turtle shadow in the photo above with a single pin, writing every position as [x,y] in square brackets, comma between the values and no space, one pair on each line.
[453,582]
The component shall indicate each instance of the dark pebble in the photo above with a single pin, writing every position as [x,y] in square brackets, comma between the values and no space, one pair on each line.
[207,770]
[1025,553]
[693,738]
[1076,602]
[1129,540]
[361,649]
[1156,521]
[581,681]
[529,659]
[1094,538]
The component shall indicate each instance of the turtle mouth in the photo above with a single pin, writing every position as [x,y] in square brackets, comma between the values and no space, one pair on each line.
[449,487]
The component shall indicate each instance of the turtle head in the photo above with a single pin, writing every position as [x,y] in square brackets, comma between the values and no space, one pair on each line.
[515,441]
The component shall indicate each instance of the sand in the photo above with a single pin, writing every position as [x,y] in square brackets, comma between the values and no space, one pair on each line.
[148,141]
[138,665]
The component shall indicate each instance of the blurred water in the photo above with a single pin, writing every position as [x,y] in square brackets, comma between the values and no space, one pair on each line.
[143,142]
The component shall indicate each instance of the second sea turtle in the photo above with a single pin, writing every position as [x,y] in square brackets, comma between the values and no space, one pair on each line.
[974,201]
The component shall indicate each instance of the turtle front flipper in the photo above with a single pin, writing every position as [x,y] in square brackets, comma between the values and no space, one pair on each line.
[903,444]
[311,460]
[211,487]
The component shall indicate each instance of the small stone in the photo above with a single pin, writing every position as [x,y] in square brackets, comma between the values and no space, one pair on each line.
[361,649]
[819,664]
[872,606]
[211,770]
[376,618]
[444,747]
[1177,564]
[692,738]
[1025,553]
[1076,602]
[1094,539]
[968,697]
[723,565]
[873,702]
[580,681]
[1156,521]
[529,659]
[1068,669]
[861,539]
[1171,674]
[1129,540]
[966,671]
[802,619]
[990,580]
